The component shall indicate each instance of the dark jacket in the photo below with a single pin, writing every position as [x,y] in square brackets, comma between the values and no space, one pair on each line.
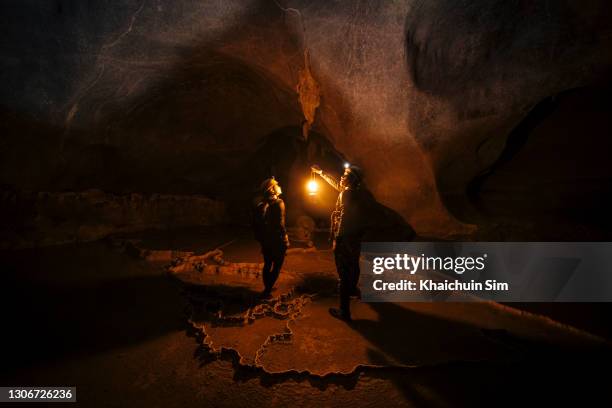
[269,223]
[355,215]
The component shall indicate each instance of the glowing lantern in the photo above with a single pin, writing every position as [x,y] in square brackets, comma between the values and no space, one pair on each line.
[313,187]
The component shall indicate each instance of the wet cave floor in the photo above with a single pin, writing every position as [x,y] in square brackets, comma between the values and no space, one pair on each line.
[174,319]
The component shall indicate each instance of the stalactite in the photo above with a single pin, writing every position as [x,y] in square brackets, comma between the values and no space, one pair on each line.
[309,93]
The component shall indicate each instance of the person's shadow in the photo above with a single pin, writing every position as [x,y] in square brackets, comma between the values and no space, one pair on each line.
[411,338]
[458,364]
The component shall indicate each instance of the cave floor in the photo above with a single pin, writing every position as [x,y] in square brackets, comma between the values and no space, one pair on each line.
[112,318]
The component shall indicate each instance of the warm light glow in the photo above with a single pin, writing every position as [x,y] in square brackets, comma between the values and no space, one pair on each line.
[347,165]
[312,187]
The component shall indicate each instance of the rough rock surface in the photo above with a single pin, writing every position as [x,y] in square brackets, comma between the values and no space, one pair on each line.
[294,333]
[174,96]
[91,308]
[49,218]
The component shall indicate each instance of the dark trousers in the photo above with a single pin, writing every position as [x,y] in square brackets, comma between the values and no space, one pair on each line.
[273,262]
[346,255]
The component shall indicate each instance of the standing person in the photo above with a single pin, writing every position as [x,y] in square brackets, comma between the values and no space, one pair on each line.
[347,229]
[269,226]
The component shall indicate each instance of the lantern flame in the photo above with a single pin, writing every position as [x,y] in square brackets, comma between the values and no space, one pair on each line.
[312,187]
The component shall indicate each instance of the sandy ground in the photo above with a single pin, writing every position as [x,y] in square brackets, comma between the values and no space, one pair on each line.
[109,318]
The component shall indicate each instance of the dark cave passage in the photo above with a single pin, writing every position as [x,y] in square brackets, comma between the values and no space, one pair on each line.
[554,169]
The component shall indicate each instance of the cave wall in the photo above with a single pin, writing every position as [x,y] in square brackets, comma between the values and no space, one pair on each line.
[554,173]
[174,97]
[476,82]
[35,219]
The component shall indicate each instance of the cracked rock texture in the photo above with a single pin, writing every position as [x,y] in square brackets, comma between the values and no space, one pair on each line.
[294,333]
[175,96]
[107,317]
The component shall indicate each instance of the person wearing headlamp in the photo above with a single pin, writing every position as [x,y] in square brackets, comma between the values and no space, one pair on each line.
[347,230]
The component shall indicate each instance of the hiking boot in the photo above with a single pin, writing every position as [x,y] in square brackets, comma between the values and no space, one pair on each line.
[339,314]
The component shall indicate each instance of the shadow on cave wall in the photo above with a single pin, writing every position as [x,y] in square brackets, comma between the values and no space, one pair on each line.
[554,170]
